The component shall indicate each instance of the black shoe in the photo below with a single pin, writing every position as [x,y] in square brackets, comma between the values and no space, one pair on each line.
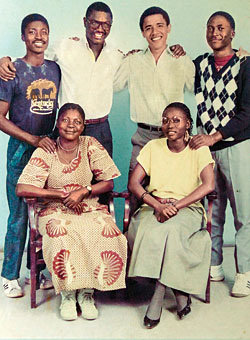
[148,323]
[186,310]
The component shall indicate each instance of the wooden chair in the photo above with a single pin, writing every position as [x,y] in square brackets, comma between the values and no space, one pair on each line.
[36,239]
[210,198]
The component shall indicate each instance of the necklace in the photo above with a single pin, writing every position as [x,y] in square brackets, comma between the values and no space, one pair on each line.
[67,150]
[68,162]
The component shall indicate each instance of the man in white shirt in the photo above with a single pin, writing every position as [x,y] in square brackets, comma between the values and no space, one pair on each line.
[154,77]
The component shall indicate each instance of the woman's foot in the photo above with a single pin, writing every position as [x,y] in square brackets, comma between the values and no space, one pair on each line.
[68,305]
[87,303]
[153,315]
[149,323]
[186,310]
[183,300]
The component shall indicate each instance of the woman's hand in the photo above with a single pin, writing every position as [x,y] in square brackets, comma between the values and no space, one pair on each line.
[165,212]
[74,198]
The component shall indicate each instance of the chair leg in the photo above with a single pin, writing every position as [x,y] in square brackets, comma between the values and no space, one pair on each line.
[207,299]
[33,276]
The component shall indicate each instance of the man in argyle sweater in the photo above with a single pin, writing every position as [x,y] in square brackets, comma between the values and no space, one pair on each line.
[222,89]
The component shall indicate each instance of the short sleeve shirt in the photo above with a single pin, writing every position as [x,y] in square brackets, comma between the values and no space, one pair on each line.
[173,175]
[32,96]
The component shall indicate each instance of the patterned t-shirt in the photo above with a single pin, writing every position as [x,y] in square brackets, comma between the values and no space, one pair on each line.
[32,96]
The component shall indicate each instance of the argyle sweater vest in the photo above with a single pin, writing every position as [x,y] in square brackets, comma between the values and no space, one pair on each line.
[215,93]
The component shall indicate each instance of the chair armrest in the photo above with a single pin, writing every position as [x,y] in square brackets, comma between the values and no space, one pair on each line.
[210,197]
[126,216]
[32,220]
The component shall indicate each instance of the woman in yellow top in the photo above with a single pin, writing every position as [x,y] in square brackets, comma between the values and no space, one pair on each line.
[167,235]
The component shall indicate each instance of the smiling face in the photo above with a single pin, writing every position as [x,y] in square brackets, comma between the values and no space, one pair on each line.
[36,37]
[98,25]
[174,124]
[219,34]
[70,125]
[156,30]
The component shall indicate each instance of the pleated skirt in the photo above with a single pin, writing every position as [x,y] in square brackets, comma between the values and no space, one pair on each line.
[176,252]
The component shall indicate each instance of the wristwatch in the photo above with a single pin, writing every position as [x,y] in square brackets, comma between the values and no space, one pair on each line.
[89,188]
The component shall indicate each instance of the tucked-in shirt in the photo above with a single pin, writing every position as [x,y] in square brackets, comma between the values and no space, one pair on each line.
[173,175]
[86,81]
[32,96]
[153,86]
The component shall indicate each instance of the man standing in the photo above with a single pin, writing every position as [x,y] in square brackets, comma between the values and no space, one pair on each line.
[88,68]
[155,78]
[31,100]
[222,90]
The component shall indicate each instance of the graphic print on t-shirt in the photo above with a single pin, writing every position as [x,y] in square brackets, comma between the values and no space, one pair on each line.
[42,94]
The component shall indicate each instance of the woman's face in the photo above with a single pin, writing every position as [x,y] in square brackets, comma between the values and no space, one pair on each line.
[174,123]
[70,125]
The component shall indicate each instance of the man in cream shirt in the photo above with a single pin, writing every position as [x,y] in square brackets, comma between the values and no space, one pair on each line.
[154,78]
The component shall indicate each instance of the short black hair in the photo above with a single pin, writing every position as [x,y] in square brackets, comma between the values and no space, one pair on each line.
[33,17]
[100,7]
[226,15]
[184,109]
[71,106]
[151,11]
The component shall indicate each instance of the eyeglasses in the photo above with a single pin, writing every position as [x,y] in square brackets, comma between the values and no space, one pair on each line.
[175,120]
[96,24]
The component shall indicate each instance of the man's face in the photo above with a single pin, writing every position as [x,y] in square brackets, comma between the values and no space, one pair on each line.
[36,37]
[155,30]
[98,26]
[219,33]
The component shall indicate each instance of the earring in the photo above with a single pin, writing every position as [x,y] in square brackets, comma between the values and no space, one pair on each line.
[186,137]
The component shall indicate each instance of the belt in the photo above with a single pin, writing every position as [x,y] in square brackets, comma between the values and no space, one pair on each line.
[96,121]
[149,127]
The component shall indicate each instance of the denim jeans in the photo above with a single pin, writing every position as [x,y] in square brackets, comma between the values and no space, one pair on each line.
[18,155]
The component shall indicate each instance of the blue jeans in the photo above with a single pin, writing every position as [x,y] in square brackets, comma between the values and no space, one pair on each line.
[102,133]
[18,155]
[232,174]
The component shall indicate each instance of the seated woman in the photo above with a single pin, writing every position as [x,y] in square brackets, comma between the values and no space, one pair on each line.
[82,247]
[167,235]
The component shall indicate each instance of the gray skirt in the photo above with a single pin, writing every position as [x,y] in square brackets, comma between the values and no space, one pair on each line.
[176,252]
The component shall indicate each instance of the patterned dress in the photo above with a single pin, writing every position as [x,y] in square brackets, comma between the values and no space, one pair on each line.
[86,250]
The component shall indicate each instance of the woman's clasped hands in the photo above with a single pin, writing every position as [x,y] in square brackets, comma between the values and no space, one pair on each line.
[165,211]
[73,199]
